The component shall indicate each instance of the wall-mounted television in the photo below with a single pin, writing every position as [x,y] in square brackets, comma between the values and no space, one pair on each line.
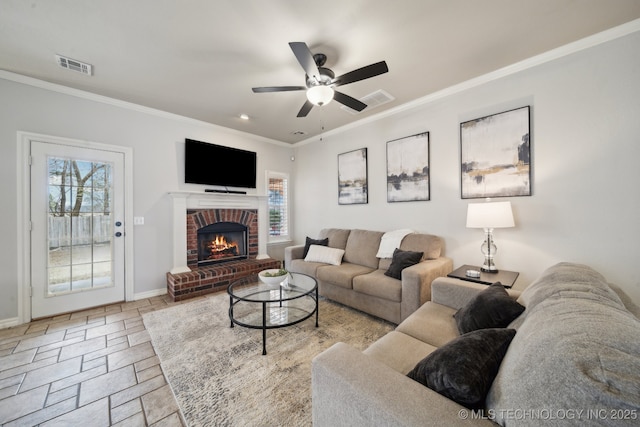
[211,164]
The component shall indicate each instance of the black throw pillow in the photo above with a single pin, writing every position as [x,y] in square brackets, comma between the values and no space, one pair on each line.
[491,308]
[464,369]
[401,260]
[310,241]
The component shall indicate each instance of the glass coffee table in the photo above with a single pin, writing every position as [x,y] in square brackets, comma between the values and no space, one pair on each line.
[257,305]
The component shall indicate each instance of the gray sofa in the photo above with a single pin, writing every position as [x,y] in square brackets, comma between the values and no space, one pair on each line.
[574,360]
[359,281]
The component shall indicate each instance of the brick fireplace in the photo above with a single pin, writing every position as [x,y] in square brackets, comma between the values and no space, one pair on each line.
[194,212]
[201,219]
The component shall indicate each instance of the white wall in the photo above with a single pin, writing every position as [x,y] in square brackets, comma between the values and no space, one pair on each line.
[585,128]
[158,145]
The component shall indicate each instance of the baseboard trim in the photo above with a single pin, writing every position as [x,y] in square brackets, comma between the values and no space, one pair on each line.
[14,321]
[150,294]
[8,323]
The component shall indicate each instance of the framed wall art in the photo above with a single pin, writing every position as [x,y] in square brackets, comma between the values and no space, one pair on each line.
[408,168]
[495,155]
[352,177]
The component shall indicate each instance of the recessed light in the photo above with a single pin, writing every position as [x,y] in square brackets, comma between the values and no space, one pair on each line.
[244,116]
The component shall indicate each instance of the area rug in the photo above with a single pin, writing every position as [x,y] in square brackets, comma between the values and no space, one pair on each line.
[219,375]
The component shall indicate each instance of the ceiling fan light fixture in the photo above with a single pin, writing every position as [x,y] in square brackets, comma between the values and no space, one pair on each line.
[320,81]
[320,95]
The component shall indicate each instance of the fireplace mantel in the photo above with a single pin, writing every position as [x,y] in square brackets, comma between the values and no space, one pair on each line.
[183,200]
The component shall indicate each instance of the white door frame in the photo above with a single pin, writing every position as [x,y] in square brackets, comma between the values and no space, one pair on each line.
[24,209]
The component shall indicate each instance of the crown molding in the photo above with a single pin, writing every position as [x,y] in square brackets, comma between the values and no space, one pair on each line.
[54,87]
[568,49]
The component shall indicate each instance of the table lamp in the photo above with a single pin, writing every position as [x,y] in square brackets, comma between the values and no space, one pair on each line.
[488,216]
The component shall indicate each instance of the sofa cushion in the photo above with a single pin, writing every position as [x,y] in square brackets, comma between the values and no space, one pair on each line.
[337,237]
[304,267]
[429,244]
[362,247]
[401,260]
[379,285]
[431,323]
[309,241]
[577,347]
[341,275]
[491,308]
[325,255]
[464,369]
[399,351]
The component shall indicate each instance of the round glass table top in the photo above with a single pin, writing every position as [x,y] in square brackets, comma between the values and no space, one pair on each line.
[252,289]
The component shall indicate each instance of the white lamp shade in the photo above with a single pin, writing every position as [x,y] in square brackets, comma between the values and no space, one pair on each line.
[320,95]
[490,215]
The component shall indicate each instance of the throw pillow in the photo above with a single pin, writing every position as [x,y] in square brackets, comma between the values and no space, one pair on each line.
[491,308]
[464,369]
[324,254]
[310,241]
[401,260]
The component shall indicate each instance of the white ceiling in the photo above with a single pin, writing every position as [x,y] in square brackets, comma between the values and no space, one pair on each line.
[200,58]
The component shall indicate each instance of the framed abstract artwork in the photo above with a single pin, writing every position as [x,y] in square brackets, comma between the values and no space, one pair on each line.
[352,177]
[408,169]
[495,155]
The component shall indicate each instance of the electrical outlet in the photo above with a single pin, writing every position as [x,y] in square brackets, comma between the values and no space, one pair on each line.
[138,220]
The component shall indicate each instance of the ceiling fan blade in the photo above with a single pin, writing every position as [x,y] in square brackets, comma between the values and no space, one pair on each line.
[361,73]
[305,58]
[305,109]
[277,89]
[350,102]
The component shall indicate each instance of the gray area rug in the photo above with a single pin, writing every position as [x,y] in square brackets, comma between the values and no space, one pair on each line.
[219,375]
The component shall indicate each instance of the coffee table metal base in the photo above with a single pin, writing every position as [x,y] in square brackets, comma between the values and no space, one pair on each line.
[280,308]
[265,325]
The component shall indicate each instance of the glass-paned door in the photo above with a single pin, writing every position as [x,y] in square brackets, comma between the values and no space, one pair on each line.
[80,225]
[77,228]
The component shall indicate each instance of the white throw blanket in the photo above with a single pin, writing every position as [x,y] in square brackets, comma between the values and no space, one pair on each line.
[390,241]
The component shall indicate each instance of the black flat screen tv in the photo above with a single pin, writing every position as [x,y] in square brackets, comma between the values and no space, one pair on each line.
[211,164]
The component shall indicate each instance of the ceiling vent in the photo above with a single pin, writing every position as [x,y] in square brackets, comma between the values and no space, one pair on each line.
[372,100]
[72,64]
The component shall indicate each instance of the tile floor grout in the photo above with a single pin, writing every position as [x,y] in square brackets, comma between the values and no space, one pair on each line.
[93,367]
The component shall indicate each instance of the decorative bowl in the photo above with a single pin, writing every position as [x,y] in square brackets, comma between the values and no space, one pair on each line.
[272,280]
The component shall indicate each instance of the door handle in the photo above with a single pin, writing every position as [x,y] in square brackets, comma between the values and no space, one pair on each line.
[118,234]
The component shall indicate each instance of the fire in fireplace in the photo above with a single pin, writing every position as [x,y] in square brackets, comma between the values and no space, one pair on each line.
[220,248]
[222,241]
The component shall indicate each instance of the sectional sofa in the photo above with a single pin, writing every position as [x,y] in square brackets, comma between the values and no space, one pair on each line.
[571,358]
[350,271]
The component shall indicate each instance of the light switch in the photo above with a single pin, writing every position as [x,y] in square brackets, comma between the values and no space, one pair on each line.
[138,220]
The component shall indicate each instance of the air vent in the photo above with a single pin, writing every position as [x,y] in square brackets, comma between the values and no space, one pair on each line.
[73,65]
[372,100]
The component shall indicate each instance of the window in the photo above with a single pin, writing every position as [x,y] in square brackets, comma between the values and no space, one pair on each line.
[278,205]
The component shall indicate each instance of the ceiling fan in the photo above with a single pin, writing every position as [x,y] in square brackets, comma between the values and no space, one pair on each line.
[321,81]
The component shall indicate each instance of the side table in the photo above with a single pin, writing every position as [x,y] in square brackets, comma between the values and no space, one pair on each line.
[507,278]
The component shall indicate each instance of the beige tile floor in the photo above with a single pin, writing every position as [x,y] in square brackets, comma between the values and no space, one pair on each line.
[91,368]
